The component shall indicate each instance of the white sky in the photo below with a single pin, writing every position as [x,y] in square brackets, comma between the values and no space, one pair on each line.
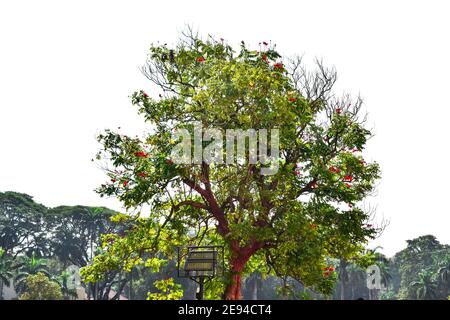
[68,67]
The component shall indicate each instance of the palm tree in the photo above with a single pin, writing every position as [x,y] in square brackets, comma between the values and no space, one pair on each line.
[426,287]
[29,266]
[6,271]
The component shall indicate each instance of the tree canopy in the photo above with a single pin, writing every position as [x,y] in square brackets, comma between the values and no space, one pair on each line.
[290,222]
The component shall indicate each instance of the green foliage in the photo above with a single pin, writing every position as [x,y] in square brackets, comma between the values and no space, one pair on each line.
[302,215]
[6,270]
[64,282]
[388,295]
[40,287]
[67,232]
[169,290]
[425,287]
[29,266]
[76,231]
[420,269]
[20,223]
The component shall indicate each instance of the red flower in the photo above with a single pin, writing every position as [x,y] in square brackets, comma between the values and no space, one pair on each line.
[292,99]
[142,174]
[278,66]
[334,170]
[297,172]
[125,183]
[338,110]
[348,178]
[141,154]
[331,269]
[113,180]
[326,274]
[145,95]
[201,59]
[313,226]
[350,205]
[264,57]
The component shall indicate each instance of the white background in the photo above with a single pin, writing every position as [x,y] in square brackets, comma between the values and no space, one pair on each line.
[68,67]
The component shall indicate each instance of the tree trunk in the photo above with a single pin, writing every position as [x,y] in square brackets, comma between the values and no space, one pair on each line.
[342,290]
[233,289]
[255,288]
[343,276]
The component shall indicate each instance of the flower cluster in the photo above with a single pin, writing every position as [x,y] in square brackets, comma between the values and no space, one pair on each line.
[142,174]
[278,66]
[141,154]
[334,169]
[327,271]
[348,179]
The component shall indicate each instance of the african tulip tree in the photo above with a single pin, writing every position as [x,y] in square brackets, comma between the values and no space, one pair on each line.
[288,223]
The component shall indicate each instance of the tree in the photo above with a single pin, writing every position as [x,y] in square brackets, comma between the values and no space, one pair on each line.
[289,212]
[425,286]
[422,255]
[6,270]
[40,287]
[21,222]
[76,232]
[29,266]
